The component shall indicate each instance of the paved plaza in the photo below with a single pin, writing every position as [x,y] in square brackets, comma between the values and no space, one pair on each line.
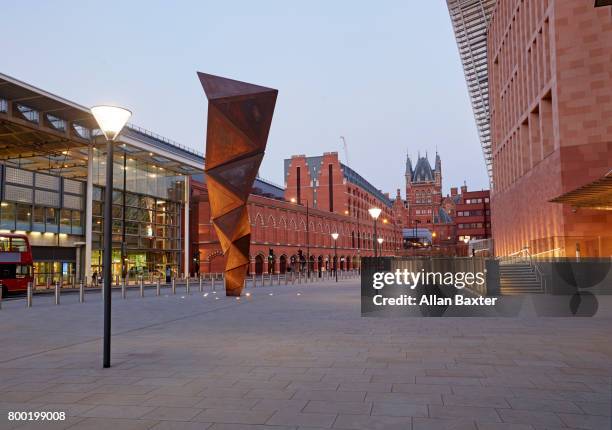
[298,357]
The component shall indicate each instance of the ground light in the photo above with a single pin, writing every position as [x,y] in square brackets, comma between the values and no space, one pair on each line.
[111,120]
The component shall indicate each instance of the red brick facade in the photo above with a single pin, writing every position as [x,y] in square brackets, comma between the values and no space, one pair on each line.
[473,215]
[550,68]
[280,224]
[426,208]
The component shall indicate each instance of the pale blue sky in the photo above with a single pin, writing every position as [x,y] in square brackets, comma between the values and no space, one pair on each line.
[385,74]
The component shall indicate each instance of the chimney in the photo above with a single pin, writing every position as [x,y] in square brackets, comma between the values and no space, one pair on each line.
[453,191]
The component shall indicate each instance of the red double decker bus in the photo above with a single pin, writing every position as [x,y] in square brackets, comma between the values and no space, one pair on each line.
[16,264]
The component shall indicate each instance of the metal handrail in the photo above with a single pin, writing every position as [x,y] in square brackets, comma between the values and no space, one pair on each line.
[164,139]
[536,269]
[524,256]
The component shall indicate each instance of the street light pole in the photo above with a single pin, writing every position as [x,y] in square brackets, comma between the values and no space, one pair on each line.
[375,213]
[107,251]
[335,237]
[307,243]
[111,121]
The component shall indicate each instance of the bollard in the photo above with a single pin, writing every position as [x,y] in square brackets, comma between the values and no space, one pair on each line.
[29,296]
[81,292]
[200,286]
[57,293]
[1,294]
[263,279]
[254,280]
[173,283]
[123,289]
[278,280]
[212,282]
[157,288]
[48,282]
[141,286]
[187,287]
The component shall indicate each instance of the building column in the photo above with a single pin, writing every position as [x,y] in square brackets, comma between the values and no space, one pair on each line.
[186,255]
[88,215]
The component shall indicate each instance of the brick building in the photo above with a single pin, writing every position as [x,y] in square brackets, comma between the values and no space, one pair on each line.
[550,68]
[280,240]
[424,203]
[473,215]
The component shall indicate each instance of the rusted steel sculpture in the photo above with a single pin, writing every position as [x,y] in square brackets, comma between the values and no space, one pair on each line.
[239,118]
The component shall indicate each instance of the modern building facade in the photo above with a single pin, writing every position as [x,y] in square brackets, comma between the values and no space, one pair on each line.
[52,177]
[550,68]
[470,19]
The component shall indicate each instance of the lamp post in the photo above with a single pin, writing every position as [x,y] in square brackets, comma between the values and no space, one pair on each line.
[416,222]
[307,237]
[375,213]
[335,237]
[111,120]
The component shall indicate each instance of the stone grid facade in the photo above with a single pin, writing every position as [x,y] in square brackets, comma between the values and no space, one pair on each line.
[550,68]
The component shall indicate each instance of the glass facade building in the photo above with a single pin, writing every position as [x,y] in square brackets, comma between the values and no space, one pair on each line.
[148,201]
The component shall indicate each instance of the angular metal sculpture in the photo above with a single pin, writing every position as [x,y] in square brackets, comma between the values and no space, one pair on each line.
[239,118]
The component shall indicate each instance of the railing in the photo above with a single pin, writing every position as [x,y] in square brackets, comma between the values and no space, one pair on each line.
[164,139]
[536,269]
[523,256]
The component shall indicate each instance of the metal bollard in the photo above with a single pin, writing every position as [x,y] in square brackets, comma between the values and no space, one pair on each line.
[278,280]
[173,283]
[254,280]
[157,288]
[212,282]
[200,286]
[57,293]
[187,287]
[29,296]
[48,282]
[81,292]
[263,279]
[141,286]
[123,289]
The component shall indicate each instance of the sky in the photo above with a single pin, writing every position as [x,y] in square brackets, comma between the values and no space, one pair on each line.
[386,75]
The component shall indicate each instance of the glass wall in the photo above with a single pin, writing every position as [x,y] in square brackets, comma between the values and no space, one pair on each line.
[34,201]
[146,217]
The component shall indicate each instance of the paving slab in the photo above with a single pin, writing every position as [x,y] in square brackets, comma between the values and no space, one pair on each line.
[299,362]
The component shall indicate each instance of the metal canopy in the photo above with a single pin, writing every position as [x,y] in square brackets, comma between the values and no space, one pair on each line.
[596,195]
[44,132]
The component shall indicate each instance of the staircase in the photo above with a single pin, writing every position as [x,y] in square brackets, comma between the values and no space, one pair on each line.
[517,279]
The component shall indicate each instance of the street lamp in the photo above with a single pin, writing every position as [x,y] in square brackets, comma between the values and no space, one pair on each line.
[335,237]
[111,120]
[416,222]
[307,236]
[375,213]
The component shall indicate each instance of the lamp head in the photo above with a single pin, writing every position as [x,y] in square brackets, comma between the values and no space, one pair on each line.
[380,240]
[111,120]
[335,236]
[375,212]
